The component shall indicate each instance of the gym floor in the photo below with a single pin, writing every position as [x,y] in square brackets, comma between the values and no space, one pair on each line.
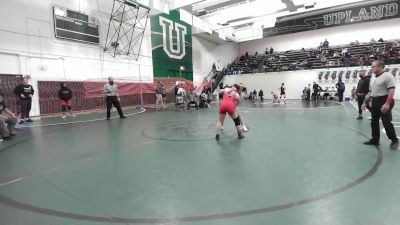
[300,164]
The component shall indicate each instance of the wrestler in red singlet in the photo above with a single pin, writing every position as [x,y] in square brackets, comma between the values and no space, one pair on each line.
[228,105]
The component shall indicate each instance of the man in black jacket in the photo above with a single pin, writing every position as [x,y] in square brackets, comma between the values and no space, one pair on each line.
[362,91]
[25,92]
[65,95]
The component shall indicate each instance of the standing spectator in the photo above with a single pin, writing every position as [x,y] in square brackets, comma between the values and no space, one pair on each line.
[308,92]
[340,88]
[261,95]
[326,43]
[381,93]
[246,55]
[362,91]
[25,92]
[65,95]
[316,90]
[110,90]
[271,51]
[7,121]
[159,95]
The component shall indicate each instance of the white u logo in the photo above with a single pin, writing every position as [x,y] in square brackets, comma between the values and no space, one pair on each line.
[179,51]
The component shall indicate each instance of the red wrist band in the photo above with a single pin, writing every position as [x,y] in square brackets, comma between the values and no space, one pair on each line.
[389,100]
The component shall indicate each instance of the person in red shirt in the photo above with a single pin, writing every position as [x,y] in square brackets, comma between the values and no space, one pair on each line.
[228,106]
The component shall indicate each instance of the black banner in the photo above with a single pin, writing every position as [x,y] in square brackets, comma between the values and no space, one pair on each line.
[345,16]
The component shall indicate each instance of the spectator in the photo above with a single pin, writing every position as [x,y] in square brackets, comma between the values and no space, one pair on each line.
[340,88]
[159,95]
[192,100]
[271,51]
[7,121]
[303,50]
[381,40]
[25,93]
[372,41]
[255,54]
[326,43]
[261,95]
[181,91]
[323,60]
[254,95]
[308,92]
[246,55]
[316,90]
[65,95]
[336,55]
[362,90]
[304,95]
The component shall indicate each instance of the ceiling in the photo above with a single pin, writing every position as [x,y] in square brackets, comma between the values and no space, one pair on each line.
[241,13]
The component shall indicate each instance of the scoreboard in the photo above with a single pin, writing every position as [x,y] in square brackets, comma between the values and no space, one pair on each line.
[75,26]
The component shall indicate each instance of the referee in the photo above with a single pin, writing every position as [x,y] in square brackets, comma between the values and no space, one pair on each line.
[381,93]
[110,90]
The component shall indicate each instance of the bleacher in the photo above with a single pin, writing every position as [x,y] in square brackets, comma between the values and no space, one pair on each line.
[283,60]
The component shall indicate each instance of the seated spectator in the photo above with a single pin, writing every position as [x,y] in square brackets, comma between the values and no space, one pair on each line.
[242,58]
[192,100]
[304,95]
[381,40]
[7,121]
[181,91]
[255,54]
[294,66]
[372,41]
[336,55]
[254,95]
[246,55]
[344,51]
[303,50]
[356,43]
[323,60]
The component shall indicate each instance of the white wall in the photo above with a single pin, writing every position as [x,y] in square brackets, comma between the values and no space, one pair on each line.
[26,30]
[387,29]
[294,81]
[205,53]
[28,45]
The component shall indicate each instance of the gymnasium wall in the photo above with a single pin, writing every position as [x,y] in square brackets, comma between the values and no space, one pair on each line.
[386,29]
[205,53]
[28,45]
[295,81]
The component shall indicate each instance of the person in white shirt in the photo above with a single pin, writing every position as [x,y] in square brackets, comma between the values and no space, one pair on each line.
[110,90]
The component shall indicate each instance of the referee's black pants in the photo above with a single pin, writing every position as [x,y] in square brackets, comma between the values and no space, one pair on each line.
[110,101]
[377,103]
[360,101]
